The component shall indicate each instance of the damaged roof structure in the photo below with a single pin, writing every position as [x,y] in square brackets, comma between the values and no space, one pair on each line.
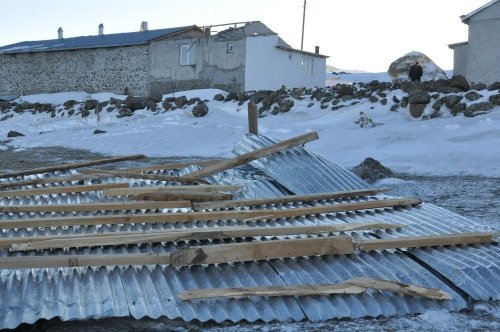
[277,233]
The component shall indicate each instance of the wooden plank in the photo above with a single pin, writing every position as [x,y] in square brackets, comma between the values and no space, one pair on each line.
[265,250]
[286,199]
[428,241]
[144,190]
[27,262]
[54,179]
[155,177]
[163,167]
[192,196]
[351,286]
[108,206]
[60,190]
[70,166]
[271,291]
[253,120]
[400,288]
[258,214]
[125,238]
[259,153]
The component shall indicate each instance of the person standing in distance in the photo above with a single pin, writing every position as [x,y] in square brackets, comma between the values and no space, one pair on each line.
[415,72]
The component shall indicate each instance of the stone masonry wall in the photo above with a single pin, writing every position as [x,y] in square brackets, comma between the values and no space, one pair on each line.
[105,69]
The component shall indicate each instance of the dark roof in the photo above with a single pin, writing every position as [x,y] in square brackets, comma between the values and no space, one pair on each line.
[110,40]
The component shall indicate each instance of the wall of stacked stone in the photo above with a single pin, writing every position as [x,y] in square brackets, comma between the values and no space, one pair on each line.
[111,69]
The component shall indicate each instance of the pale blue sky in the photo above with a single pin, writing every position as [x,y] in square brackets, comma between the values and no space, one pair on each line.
[356,34]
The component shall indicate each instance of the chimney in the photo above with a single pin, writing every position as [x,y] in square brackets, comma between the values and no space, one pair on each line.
[144,26]
[207,32]
[316,49]
[101,29]
[60,33]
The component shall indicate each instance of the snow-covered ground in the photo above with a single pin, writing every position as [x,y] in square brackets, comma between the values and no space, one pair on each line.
[442,146]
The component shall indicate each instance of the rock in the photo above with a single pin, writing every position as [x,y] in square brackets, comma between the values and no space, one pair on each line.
[4,105]
[14,133]
[394,108]
[347,97]
[169,99]
[345,90]
[270,99]
[459,82]
[383,101]
[167,105]
[219,97]
[336,101]
[200,110]
[451,100]
[419,97]
[334,108]
[110,109]
[400,68]
[373,99]
[286,105]
[124,111]
[372,170]
[69,104]
[135,103]
[478,108]
[193,101]
[232,96]
[381,94]
[71,112]
[404,102]
[323,106]
[458,108]
[478,86]
[494,86]
[98,131]
[85,113]
[275,111]
[89,104]
[437,104]
[495,99]
[473,95]
[116,102]
[180,101]
[395,99]
[8,116]
[311,104]
[416,110]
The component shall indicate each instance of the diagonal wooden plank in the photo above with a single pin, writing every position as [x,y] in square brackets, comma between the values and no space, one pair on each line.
[125,238]
[193,196]
[248,157]
[155,177]
[107,206]
[70,166]
[264,250]
[400,288]
[144,190]
[287,199]
[60,190]
[53,179]
[257,214]
[163,167]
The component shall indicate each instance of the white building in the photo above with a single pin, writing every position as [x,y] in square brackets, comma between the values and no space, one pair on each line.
[478,59]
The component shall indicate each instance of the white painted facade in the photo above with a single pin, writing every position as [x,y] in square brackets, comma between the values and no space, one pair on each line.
[269,67]
[479,59]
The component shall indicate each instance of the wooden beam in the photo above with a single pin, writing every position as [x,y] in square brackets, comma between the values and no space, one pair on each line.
[193,188]
[259,153]
[257,214]
[428,241]
[54,179]
[286,199]
[28,262]
[271,291]
[192,196]
[163,167]
[107,206]
[60,190]
[155,177]
[125,238]
[400,288]
[70,166]
[351,286]
[265,250]
[253,119]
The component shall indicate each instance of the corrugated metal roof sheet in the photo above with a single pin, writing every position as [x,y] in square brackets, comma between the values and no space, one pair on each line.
[106,40]
[152,291]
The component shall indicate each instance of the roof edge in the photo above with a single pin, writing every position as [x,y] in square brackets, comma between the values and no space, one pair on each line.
[289,49]
[465,18]
[452,46]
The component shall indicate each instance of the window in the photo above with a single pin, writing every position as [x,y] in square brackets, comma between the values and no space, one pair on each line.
[230,48]
[188,55]
[307,66]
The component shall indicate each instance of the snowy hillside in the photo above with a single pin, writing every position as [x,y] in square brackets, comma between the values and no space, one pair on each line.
[446,145]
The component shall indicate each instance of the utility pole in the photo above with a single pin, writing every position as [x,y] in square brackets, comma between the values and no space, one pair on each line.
[303,24]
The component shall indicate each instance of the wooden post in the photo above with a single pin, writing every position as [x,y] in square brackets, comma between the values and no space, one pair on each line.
[253,125]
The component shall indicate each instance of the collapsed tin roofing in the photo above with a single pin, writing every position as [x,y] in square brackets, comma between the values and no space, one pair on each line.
[279,192]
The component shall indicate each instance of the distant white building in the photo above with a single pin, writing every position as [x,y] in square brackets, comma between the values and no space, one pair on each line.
[238,58]
[478,59]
